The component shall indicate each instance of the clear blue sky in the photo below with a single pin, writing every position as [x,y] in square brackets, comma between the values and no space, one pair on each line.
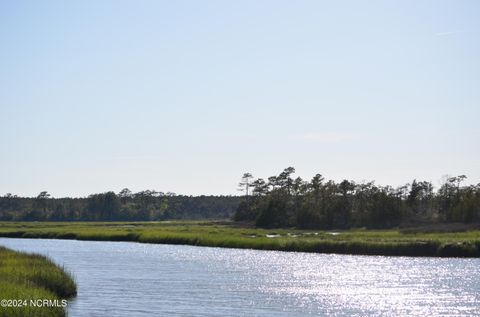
[185,96]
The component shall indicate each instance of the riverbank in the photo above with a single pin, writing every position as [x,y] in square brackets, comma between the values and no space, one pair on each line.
[32,285]
[224,234]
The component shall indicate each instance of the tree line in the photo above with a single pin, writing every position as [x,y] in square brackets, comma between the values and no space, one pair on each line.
[285,201]
[147,205]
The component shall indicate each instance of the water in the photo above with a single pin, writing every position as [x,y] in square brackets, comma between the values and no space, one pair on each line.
[134,279]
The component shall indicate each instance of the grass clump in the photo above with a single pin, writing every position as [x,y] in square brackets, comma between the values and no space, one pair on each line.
[27,278]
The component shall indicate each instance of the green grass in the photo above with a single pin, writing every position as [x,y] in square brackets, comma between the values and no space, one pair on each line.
[29,277]
[224,234]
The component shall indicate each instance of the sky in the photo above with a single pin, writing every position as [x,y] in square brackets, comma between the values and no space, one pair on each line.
[186,96]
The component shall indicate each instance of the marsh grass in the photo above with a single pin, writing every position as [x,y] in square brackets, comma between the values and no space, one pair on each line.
[28,277]
[224,234]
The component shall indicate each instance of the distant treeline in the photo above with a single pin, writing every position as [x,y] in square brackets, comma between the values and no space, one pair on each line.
[142,206]
[282,201]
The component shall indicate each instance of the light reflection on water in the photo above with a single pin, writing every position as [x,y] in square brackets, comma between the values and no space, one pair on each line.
[133,279]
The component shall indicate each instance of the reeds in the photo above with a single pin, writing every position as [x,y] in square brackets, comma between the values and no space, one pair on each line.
[31,277]
[215,234]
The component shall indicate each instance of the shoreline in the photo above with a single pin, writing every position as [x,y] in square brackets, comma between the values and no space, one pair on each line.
[386,242]
[420,249]
[32,284]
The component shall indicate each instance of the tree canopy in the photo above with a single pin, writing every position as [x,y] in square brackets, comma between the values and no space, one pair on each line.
[282,201]
[142,206]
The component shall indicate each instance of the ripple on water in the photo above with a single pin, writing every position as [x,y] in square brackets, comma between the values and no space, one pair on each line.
[125,279]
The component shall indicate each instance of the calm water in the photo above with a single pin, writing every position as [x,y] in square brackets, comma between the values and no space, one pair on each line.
[133,279]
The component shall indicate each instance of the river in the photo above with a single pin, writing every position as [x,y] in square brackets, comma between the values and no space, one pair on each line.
[135,279]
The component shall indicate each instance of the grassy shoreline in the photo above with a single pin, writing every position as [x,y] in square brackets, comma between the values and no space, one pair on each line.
[221,234]
[27,280]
